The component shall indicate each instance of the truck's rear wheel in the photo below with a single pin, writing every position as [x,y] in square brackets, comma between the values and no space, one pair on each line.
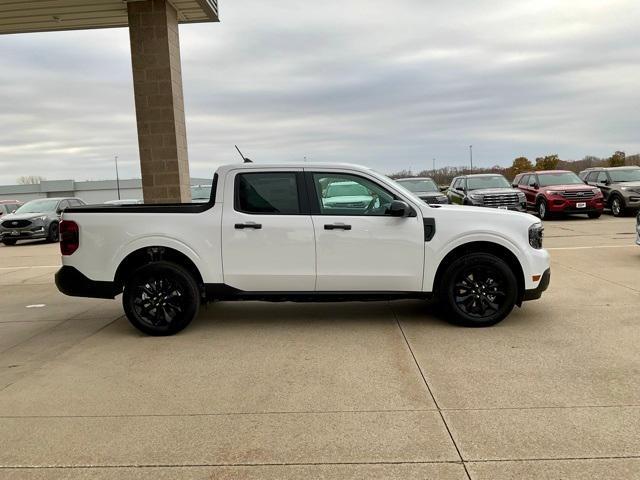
[161,298]
[478,290]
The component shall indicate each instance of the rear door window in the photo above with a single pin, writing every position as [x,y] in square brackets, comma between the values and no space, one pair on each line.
[268,193]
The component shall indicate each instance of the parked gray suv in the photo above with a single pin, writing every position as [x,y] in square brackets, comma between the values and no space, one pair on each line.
[620,187]
[35,219]
[486,190]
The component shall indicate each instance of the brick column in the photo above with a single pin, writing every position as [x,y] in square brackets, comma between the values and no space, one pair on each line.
[157,85]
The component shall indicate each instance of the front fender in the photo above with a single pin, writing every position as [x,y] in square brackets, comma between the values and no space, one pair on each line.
[435,254]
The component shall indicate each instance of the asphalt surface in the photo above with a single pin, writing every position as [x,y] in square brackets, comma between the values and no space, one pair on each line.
[383,390]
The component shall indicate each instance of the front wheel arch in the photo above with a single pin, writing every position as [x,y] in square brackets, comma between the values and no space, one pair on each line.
[481,247]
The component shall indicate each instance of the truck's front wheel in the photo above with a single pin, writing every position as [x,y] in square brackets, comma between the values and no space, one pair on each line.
[161,298]
[479,290]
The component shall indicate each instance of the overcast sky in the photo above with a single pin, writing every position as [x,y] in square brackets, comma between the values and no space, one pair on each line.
[387,84]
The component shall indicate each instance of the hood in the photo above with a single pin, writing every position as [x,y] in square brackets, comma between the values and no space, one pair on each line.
[493,191]
[627,184]
[25,216]
[347,199]
[429,194]
[569,188]
[469,210]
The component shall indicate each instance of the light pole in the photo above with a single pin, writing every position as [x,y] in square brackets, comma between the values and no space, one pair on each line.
[471,156]
[117,177]
[434,165]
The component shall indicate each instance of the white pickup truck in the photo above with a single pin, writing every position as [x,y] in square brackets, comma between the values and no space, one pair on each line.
[270,232]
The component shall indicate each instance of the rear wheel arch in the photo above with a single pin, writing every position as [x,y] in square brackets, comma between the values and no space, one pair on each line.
[147,255]
[482,247]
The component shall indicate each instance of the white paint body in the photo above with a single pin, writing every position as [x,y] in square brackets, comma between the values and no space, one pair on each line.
[294,253]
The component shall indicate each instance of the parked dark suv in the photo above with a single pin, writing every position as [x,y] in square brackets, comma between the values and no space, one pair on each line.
[559,191]
[620,187]
[486,190]
[35,219]
[425,188]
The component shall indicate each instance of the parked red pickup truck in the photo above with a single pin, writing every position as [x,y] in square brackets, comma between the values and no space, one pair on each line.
[559,191]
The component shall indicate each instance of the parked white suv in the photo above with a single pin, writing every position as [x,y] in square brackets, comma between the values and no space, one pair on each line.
[268,234]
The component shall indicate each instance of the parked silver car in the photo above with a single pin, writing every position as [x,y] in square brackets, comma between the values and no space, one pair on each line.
[35,219]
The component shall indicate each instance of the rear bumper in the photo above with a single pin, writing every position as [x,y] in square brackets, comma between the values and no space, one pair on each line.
[536,293]
[72,282]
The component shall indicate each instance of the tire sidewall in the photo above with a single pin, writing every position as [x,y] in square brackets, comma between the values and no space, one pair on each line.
[53,235]
[457,315]
[621,203]
[542,210]
[168,270]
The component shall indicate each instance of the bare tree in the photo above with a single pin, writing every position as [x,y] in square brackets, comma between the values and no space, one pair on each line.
[30,180]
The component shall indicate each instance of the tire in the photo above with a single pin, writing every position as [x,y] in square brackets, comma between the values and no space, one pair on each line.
[594,214]
[9,243]
[161,298]
[617,206]
[467,287]
[541,209]
[53,235]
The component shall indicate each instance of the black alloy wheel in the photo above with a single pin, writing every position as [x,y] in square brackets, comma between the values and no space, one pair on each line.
[161,298]
[480,289]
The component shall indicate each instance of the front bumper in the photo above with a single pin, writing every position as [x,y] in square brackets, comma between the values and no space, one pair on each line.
[26,233]
[72,282]
[562,205]
[520,207]
[536,293]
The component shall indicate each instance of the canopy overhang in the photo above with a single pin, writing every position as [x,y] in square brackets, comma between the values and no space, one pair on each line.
[23,16]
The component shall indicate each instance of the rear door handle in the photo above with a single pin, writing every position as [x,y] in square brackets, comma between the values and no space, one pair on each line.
[337,226]
[254,225]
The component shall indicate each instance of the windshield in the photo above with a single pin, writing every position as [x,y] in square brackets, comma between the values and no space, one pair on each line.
[491,181]
[38,206]
[346,189]
[419,185]
[559,178]
[627,175]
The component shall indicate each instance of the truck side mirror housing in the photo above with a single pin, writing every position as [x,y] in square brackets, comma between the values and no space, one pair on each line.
[536,186]
[398,208]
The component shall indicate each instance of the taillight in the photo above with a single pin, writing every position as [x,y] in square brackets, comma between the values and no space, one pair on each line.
[69,237]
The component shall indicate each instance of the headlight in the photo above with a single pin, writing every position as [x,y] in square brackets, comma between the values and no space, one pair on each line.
[551,192]
[473,196]
[597,191]
[536,233]
[625,188]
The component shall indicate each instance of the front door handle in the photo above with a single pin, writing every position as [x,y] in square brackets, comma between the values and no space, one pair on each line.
[254,225]
[337,226]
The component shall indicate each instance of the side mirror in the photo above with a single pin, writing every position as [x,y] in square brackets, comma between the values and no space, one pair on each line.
[536,186]
[398,208]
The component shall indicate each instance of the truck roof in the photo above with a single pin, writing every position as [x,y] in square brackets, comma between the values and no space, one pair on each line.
[309,165]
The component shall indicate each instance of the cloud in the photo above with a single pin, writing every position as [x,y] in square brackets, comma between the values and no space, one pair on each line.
[387,85]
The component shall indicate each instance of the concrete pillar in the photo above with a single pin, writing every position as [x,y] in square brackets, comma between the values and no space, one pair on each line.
[157,85]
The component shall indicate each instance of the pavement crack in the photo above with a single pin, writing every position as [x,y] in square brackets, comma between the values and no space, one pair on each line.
[426,382]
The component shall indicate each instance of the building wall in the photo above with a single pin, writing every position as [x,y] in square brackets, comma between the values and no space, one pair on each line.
[90,192]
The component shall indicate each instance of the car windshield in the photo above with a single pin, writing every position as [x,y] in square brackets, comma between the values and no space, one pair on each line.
[490,181]
[38,206]
[625,175]
[420,185]
[559,178]
[346,189]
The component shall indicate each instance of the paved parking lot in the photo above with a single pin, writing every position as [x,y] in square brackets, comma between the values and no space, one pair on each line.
[354,390]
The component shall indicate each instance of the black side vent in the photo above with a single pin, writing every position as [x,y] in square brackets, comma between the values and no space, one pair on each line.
[429,228]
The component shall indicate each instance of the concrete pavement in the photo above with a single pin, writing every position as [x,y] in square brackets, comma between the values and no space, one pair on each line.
[351,390]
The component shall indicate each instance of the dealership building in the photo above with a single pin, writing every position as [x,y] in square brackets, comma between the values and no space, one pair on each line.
[156,69]
[91,192]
